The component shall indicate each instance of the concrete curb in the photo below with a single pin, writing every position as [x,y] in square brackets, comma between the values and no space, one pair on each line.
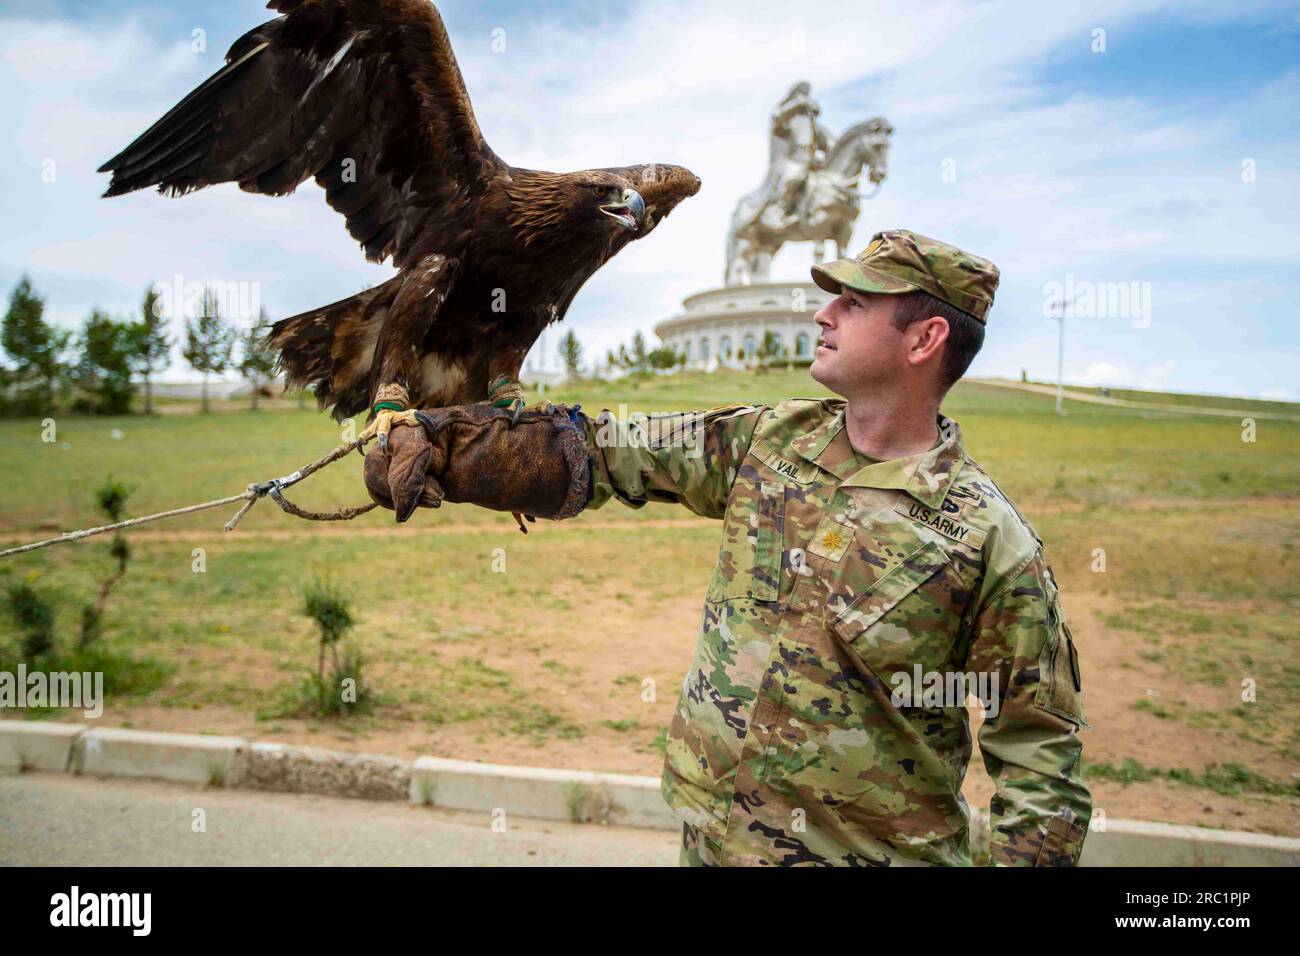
[290,769]
[36,746]
[579,796]
[1140,843]
[181,758]
[539,792]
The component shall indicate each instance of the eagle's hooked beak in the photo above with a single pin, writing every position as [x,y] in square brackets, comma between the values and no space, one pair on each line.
[628,209]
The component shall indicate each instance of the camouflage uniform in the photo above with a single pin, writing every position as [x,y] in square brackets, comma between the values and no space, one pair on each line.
[837,576]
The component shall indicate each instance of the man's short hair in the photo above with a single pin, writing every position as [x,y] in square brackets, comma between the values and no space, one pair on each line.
[965,332]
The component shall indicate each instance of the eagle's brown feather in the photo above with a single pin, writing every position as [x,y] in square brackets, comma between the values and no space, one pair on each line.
[365,96]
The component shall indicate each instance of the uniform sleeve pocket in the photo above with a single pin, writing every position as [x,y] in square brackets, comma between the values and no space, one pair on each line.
[1060,688]
[1062,844]
[768,545]
[753,541]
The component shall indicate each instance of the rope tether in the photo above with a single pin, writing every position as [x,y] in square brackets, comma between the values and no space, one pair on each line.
[250,496]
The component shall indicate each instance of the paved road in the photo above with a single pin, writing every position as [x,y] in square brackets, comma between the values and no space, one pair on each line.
[59,819]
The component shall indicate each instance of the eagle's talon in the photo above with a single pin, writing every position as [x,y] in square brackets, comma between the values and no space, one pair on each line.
[384,421]
[519,410]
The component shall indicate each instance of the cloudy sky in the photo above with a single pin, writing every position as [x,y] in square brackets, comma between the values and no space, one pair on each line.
[1168,159]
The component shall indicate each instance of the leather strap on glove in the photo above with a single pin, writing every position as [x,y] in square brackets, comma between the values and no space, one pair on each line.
[472,454]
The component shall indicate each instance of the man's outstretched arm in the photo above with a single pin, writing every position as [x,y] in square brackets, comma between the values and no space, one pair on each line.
[553,462]
[686,457]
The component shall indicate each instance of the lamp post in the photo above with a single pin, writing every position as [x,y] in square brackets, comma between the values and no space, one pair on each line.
[1057,311]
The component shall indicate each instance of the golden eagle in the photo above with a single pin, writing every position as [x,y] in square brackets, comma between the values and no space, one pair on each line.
[366,97]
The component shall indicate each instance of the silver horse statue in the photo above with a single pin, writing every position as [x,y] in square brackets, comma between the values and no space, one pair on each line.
[811,189]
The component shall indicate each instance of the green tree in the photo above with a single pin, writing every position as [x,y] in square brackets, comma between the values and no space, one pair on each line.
[769,352]
[663,358]
[640,354]
[209,340]
[34,615]
[258,361]
[150,344]
[571,355]
[103,369]
[343,691]
[111,498]
[34,347]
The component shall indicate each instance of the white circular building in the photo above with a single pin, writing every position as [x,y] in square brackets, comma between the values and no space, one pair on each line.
[730,326]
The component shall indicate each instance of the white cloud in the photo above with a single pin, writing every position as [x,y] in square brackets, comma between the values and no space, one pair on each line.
[1279,394]
[1043,187]
[1152,378]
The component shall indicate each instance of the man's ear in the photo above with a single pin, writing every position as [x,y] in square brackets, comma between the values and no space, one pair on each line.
[925,340]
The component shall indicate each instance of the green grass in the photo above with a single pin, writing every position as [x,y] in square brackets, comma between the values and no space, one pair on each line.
[1095,455]
[124,674]
[660,742]
[1228,779]
[622,726]
[1199,531]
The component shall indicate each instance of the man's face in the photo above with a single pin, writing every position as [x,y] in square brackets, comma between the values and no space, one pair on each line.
[858,346]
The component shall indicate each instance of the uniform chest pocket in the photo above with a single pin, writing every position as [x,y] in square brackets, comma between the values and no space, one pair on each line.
[753,536]
[896,622]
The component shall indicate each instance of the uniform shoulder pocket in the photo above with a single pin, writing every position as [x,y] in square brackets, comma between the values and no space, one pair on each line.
[1060,685]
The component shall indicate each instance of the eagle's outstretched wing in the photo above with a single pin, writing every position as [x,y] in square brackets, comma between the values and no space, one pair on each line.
[364,95]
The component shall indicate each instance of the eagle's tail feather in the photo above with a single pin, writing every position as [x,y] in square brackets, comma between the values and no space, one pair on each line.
[331,348]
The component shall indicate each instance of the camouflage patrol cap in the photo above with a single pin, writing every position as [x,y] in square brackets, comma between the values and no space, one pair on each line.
[899,261]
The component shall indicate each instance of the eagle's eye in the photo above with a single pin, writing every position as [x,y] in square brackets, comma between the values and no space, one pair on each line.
[598,191]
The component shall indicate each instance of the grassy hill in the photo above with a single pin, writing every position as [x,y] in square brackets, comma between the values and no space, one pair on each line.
[1187,399]
[1095,455]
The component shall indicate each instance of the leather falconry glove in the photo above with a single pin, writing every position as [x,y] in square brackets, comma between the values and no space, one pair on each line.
[532,463]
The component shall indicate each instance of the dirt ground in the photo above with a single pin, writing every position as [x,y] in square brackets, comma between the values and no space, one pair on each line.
[592,669]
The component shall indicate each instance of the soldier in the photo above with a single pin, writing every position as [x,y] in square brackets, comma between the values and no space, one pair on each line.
[870,574]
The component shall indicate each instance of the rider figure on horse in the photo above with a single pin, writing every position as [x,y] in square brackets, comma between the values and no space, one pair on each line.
[794,125]
[810,192]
